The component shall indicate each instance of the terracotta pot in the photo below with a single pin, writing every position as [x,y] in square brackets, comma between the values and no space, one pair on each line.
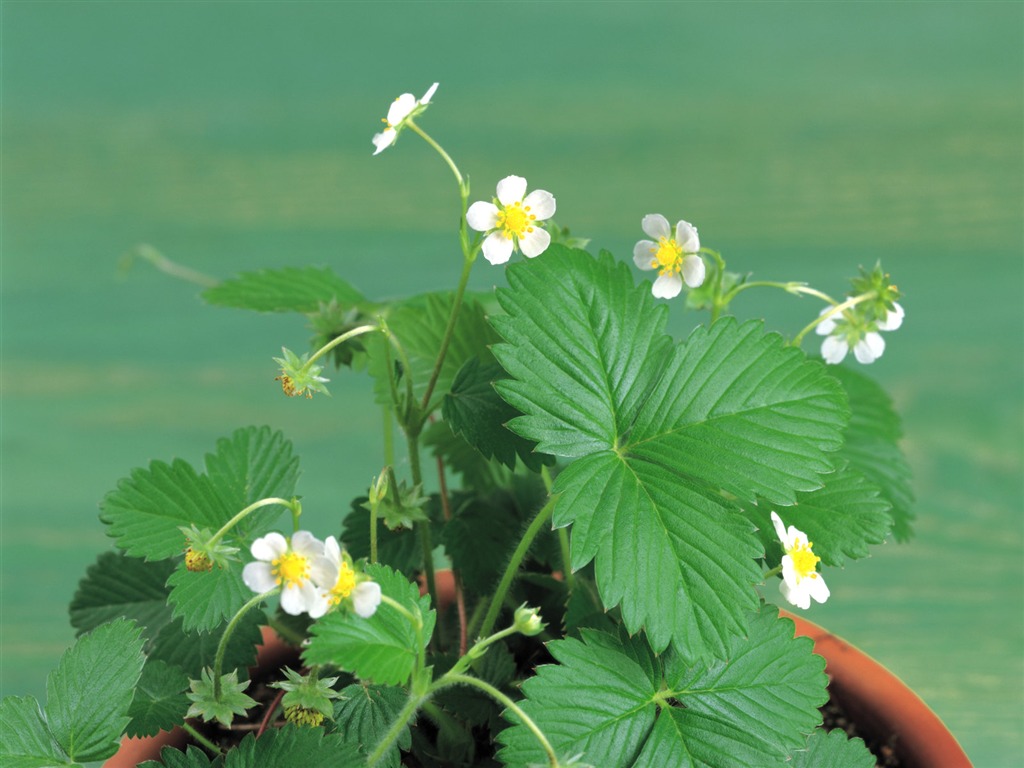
[878,701]
[881,704]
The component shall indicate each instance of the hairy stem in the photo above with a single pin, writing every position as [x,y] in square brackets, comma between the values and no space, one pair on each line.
[222,646]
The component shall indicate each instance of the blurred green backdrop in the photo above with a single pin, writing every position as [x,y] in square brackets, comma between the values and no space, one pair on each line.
[803,139]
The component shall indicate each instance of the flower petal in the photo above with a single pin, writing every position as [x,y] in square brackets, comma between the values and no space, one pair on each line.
[317,602]
[780,529]
[292,600]
[643,254]
[656,225]
[541,204]
[869,349]
[400,108]
[686,237]
[258,577]
[366,598]
[482,216]
[384,139]
[667,286]
[497,248]
[269,547]
[893,320]
[693,270]
[511,189]
[834,349]
[307,545]
[825,327]
[429,94]
[795,595]
[816,588]
[534,242]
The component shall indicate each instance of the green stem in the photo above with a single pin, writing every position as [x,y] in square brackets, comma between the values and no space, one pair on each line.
[357,331]
[513,566]
[505,701]
[222,646]
[437,147]
[773,572]
[838,308]
[153,256]
[410,709]
[210,747]
[563,537]
[245,512]
[427,546]
[467,266]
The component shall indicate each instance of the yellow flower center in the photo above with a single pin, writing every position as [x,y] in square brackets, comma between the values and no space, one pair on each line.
[516,220]
[344,585]
[804,560]
[197,561]
[290,568]
[668,256]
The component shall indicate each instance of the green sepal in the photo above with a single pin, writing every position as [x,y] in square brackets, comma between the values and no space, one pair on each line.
[207,705]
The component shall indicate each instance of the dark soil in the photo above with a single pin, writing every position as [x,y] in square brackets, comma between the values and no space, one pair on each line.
[834,716]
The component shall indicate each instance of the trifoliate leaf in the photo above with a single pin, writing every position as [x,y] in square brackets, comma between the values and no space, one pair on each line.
[221,706]
[150,507]
[872,445]
[25,740]
[120,586]
[253,464]
[89,693]
[365,713]
[205,600]
[606,700]
[476,411]
[658,432]
[160,702]
[841,520]
[289,289]
[381,649]
[835,750]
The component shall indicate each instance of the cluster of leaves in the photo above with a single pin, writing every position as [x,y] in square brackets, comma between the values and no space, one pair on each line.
[668,458]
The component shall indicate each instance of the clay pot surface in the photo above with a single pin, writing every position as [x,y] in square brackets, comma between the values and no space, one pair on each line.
[880,703]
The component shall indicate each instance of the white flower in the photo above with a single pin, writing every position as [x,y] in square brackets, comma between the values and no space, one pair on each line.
[400,110]
[289,565]
[868,346]
[671,256]
[800,580]
[337,581]
[893,320]
[515,222]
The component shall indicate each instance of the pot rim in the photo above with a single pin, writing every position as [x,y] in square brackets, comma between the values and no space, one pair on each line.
[877,698]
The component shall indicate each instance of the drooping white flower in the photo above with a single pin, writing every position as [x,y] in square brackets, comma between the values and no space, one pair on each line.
[800,578]
[841,332]
[400,110]
[289,565]
[337,581]
[893,320]
[676,258]
[513,220]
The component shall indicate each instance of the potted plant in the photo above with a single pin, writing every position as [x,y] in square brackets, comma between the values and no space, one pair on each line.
[607,500]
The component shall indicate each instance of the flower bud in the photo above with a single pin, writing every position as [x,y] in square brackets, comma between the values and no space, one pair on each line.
[527,621]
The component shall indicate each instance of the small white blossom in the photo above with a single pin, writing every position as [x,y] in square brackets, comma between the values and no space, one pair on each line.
[893,320]
[400,110]
[800,579]
[676,258]
[289,565]
[513,220]
[337,581]
[841,332]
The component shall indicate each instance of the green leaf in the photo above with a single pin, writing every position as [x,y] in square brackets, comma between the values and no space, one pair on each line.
[160,702]
[606,698]
[289,289]
[460,457]
[841,519]
[365,713]
[480,538]
[149,507]
[834,750]
[25,741]
[382,648]
[192,757]
[872,445]
[89,693]
[192,651]
[291,747]
[118,586]
[253,464]
[476,411]
[657,433]
[206,599]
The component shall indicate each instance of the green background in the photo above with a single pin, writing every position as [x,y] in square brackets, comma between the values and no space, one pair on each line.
[803,139]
